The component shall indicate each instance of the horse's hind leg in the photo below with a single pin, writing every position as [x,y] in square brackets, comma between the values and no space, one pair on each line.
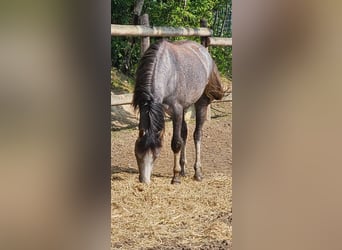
[201,113]
[184,134]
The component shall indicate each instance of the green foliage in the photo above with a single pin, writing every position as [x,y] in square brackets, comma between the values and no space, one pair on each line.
[122,11]
[223,59]
[121,83]
[172,13]
[179,13]
[125,54]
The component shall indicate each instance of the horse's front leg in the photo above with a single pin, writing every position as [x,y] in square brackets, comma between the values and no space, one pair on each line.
[177,145]
[184,134]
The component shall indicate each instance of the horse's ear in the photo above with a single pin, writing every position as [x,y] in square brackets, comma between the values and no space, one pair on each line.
[141,133]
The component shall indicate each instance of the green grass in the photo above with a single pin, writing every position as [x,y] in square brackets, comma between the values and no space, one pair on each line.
[120,83]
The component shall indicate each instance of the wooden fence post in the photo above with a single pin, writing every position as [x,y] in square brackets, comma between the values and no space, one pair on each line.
[204,42]
[145,40]
[204,39]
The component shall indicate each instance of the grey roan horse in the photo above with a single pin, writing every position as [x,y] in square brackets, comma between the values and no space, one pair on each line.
[170,78]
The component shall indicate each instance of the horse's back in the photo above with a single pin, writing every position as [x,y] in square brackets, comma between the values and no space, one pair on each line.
[192,55]
[189,66]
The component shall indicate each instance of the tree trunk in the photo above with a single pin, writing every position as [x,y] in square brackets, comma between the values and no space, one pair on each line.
[137,11]
[132,40]
[145,41]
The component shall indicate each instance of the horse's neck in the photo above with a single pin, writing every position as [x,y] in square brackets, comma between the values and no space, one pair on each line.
[164,79]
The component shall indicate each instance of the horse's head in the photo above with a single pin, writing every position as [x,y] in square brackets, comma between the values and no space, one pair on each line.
[147,149]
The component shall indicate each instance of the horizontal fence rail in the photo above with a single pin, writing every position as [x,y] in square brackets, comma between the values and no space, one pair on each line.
[142,30]
[125,99]
[220,41]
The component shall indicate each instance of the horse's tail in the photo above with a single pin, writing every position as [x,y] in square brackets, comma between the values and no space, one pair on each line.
[214,88]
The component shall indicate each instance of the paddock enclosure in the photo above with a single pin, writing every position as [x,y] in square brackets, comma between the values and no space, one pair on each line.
[191,215]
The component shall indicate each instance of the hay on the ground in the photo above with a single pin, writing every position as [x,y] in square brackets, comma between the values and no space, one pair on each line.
[161,214]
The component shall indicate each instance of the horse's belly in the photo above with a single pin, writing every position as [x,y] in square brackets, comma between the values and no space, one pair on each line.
[192,96]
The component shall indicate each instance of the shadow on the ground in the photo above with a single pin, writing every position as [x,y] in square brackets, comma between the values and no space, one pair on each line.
[117,169]
[122,118]
[224,244]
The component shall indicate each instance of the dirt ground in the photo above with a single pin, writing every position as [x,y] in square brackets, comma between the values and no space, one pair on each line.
[216,154]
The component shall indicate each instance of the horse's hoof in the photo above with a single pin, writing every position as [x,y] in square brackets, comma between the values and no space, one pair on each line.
[182,173]
[175,180]
[198,177]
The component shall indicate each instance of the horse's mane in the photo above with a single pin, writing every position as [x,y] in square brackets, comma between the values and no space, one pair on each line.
[144,74]
[151,113]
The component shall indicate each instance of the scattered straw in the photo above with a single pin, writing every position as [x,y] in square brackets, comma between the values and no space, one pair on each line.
[161,214]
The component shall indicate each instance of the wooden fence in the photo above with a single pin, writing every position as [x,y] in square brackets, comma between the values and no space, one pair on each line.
[145,31]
